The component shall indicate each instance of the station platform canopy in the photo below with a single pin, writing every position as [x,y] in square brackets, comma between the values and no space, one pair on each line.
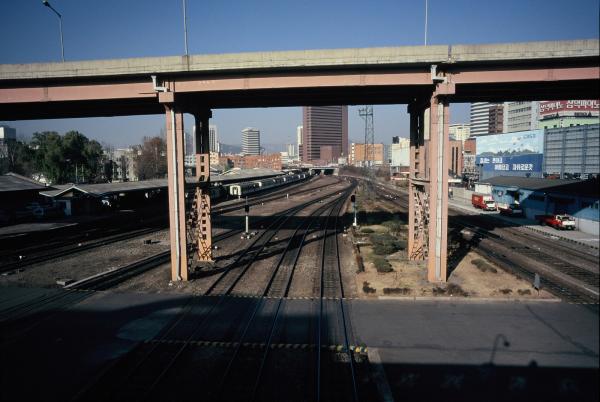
[106,189]
[12,182]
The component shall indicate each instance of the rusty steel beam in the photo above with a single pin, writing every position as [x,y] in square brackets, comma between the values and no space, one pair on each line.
[203,203]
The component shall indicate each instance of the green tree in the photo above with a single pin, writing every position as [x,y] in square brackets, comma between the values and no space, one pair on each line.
[72,157]
[151,158]
[49,156]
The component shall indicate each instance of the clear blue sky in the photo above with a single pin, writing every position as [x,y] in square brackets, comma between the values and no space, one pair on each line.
[136,28]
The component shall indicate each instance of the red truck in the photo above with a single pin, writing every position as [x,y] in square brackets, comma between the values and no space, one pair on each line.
[483,201]
[561,222]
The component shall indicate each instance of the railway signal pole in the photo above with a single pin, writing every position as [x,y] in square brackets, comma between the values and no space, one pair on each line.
[247,210]
[353,200]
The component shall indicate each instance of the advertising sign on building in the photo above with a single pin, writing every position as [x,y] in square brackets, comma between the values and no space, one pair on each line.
[519,153]
[569,108]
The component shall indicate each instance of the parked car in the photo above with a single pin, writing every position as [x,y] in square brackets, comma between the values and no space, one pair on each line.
[513,209]
[560,222]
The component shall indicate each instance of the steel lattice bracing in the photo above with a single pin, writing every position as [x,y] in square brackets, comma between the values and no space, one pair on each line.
[367,114]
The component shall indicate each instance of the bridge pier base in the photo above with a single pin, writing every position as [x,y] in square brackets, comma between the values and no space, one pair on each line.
[428,185]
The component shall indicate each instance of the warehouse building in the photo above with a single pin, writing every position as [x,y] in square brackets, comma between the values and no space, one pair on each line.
[572,152]
[537,196]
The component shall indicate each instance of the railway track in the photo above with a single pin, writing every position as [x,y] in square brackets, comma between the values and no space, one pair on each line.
[151,365]
[565,272]
[23,317]
[140,374]
[79,244]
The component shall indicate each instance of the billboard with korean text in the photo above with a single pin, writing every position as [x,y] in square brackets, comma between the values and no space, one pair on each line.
[569,108]
[512,153]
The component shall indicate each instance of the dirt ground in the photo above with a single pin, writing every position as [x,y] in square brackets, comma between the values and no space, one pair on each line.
[473,277]
[467,280]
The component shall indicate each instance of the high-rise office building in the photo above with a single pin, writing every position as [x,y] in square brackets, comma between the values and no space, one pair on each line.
[291,151]
[324,126]
[486,118]
[213,138]
[459,132]
[250,141]
[299,141]
[521,116]
[7,135]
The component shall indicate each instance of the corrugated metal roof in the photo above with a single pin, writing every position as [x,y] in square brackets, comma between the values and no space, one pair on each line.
[15,182]
[586,188]
[103,189]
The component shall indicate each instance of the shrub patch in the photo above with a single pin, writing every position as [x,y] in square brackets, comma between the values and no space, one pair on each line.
[367,288]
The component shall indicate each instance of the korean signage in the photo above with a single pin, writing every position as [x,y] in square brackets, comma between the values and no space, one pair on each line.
[569,108]
[513,152]
[523,163]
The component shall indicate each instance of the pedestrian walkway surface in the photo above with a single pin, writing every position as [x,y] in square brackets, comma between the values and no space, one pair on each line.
[424,348]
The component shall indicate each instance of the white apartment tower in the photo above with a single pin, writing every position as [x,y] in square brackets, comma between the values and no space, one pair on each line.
[250,141]
[480,115]
[486,118]
[213,137]
[459,132]
[299,131]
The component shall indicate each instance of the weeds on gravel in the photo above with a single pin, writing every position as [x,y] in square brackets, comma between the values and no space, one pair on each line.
[451,289]
[484,266]
[382,265]
[506,291]
[524,292]
[385,244]
[367,288]
[394,226]
[396,291]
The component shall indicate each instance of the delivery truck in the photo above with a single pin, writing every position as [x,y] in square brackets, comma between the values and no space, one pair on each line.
[483,201]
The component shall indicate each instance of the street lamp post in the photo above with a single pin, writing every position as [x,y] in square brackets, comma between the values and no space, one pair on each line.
[185,29]
[62,49]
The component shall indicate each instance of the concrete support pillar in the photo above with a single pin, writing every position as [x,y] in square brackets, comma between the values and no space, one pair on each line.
[176,188]
[203,226]
[438,190]
[417,201]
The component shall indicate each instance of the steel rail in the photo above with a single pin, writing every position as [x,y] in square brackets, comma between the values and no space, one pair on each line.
[265,292]
[201,322]
[321,308]
[278,223]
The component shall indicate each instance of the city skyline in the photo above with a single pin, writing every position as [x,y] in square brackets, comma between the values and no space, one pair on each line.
[30,34]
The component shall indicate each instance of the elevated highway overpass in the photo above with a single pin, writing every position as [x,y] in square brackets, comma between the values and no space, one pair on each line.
[427,78]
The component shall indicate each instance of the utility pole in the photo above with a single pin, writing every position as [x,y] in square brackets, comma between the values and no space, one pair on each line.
[367,114]
[353,200]
[426,10]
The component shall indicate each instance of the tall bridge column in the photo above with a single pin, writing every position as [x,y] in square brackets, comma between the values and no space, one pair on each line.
[418,203]
[202,242]
[428,183]
[438,190]
[176,188]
